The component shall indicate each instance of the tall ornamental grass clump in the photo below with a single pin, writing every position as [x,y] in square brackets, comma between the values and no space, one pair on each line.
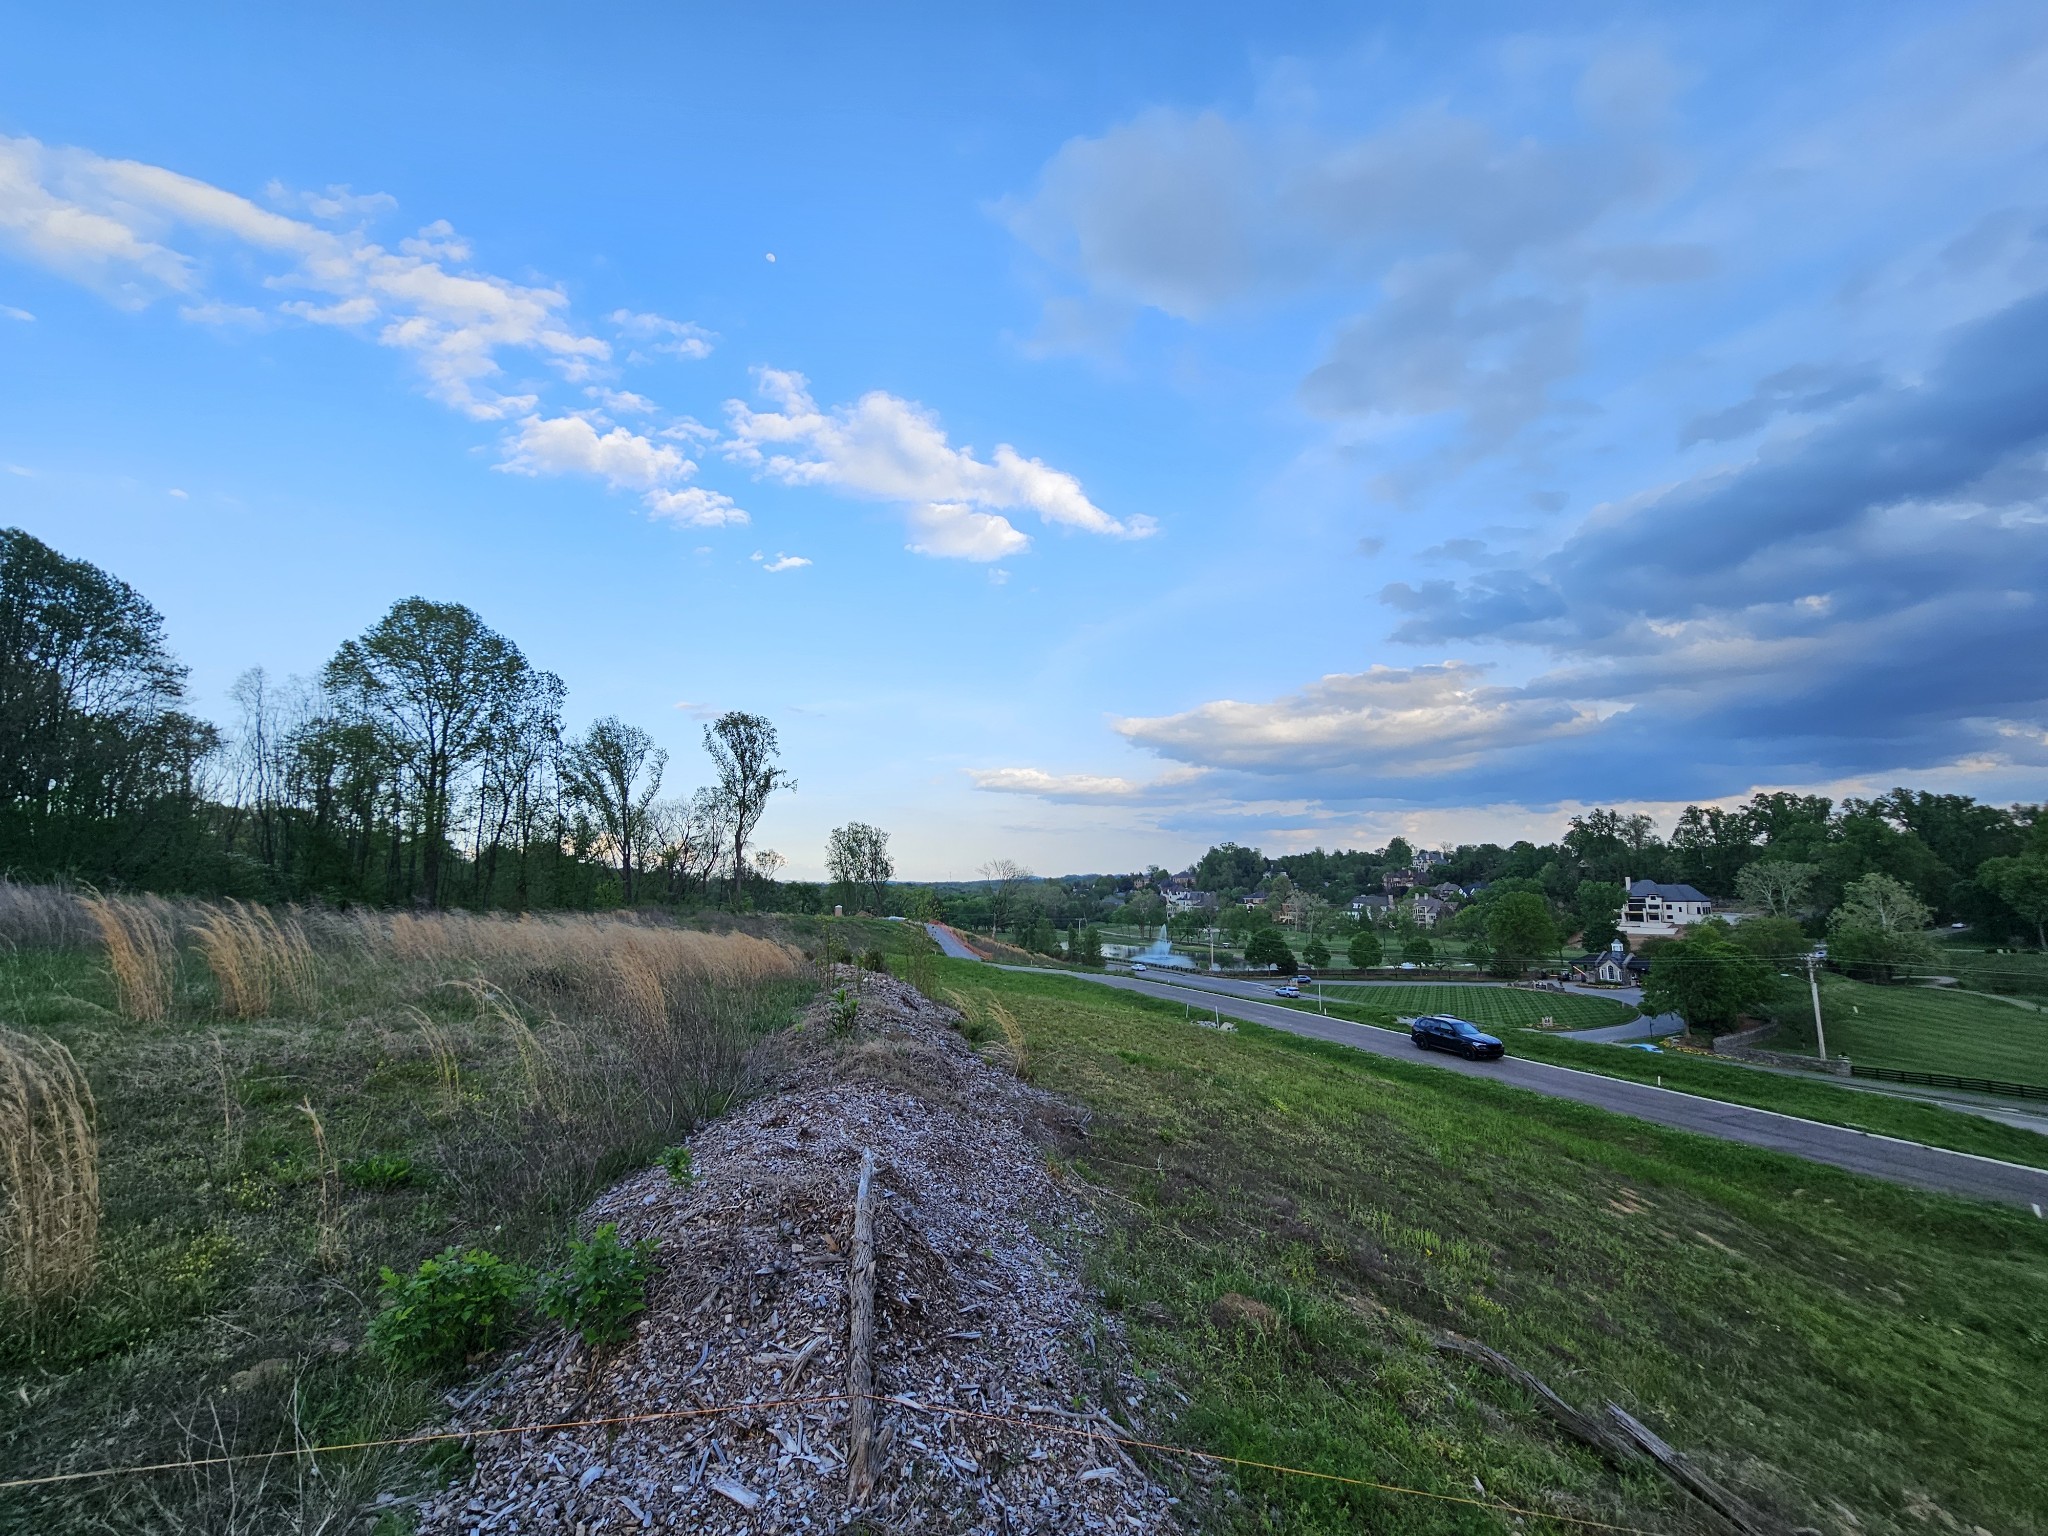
[257,960]
[49,1173]
[141,952]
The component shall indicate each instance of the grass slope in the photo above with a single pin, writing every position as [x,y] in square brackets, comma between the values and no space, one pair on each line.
[1845,1352]
[1925,1029]
[1508,1007]
[1816,1098]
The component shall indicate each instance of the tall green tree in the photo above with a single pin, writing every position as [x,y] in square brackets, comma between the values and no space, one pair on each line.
[857,858]
[100,770]
[614,771]
[1364,951]
[1779,886]
[743,750]
[1519,931]
[1266,947]
[2021,883]
[1599,905]
[440,680]
[1880,928]
[1706,978]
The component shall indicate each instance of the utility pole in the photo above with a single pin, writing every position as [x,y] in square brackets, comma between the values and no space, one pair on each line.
[1820,1033]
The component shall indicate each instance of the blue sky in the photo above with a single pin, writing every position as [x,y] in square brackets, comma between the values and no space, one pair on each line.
[1154,424]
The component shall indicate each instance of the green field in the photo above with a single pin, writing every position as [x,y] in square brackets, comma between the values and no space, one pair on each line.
[1508,1007]
[1844,1352]
[1925,1029]
[2018,973]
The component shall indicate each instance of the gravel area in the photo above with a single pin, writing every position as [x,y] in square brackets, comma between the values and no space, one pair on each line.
[977,1309]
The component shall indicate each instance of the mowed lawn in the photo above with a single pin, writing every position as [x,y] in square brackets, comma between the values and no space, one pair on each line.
[1285,1226]
[1925,1029]
[1509,1007]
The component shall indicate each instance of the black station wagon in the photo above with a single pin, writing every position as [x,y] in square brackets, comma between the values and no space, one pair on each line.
[1441,1032]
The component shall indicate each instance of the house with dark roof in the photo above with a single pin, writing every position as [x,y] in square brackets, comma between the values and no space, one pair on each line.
[1613,967]
[1428,911]
[1653,910]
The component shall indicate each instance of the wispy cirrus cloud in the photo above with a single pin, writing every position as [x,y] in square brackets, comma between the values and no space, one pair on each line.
[1080,788]
[885,448]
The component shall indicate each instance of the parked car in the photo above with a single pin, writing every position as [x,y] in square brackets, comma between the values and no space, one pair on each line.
[1290,990]
[1441,1032]
[1304,980]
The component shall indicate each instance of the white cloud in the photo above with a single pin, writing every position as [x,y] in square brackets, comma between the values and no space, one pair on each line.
[178,494]
[623,402]
[1383,721]
[624,460]
[885,448]
[112,224]
[15,314]
[783,562]
[695,507]
[1076,787]
[556,445]
[658,333]
[108,223]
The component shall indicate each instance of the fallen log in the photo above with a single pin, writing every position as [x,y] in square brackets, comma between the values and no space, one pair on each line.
[860,1377]
[1674,1465]
[1583,1427]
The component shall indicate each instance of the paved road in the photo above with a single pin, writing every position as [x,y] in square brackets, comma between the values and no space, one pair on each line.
[1883,1157]
[949,943]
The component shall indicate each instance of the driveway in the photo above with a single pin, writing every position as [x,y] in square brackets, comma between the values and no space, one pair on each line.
[949,942]
[1882,1157]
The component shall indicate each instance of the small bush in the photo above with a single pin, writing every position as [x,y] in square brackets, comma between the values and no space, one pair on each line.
[875,960]
[677,1161]
[845,1009]
[380,1170]
[462,1303]
[604,1285]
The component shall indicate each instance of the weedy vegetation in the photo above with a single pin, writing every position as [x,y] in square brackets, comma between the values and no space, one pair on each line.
[220,1127]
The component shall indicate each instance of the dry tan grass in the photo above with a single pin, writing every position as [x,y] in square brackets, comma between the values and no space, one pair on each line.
[140,951]
[256,959]
[49,1172]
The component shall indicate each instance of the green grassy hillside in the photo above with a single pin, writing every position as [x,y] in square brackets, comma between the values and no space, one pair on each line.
[1925,1029]
[1846,1352]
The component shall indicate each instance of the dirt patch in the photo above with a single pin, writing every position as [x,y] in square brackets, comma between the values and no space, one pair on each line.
[983,1334]
[1234,1312]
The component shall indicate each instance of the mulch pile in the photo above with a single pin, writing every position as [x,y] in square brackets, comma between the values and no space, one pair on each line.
[982,1329]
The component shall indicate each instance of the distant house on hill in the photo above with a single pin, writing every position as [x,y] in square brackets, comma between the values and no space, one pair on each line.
[1656,911]
[1395,881]
[1183,898]
[1370,908]
[1428,911]
[1428,859]
[1448,890]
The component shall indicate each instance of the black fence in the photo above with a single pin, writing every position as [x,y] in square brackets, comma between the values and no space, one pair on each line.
[1943,1080]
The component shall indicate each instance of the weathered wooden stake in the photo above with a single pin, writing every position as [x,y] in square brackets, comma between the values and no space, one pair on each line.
[860,1372]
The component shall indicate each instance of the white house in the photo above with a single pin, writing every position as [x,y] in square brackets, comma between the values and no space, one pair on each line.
[1428,911]
[1181,899]
[1653,910]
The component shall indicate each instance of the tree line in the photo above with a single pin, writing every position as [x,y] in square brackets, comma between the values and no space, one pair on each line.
[428,763]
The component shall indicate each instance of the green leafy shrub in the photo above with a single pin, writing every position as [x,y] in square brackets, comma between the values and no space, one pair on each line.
[461,1303]
[875,960]
[604,1285]
[677,1161]
[380,1170]
[845,1009]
